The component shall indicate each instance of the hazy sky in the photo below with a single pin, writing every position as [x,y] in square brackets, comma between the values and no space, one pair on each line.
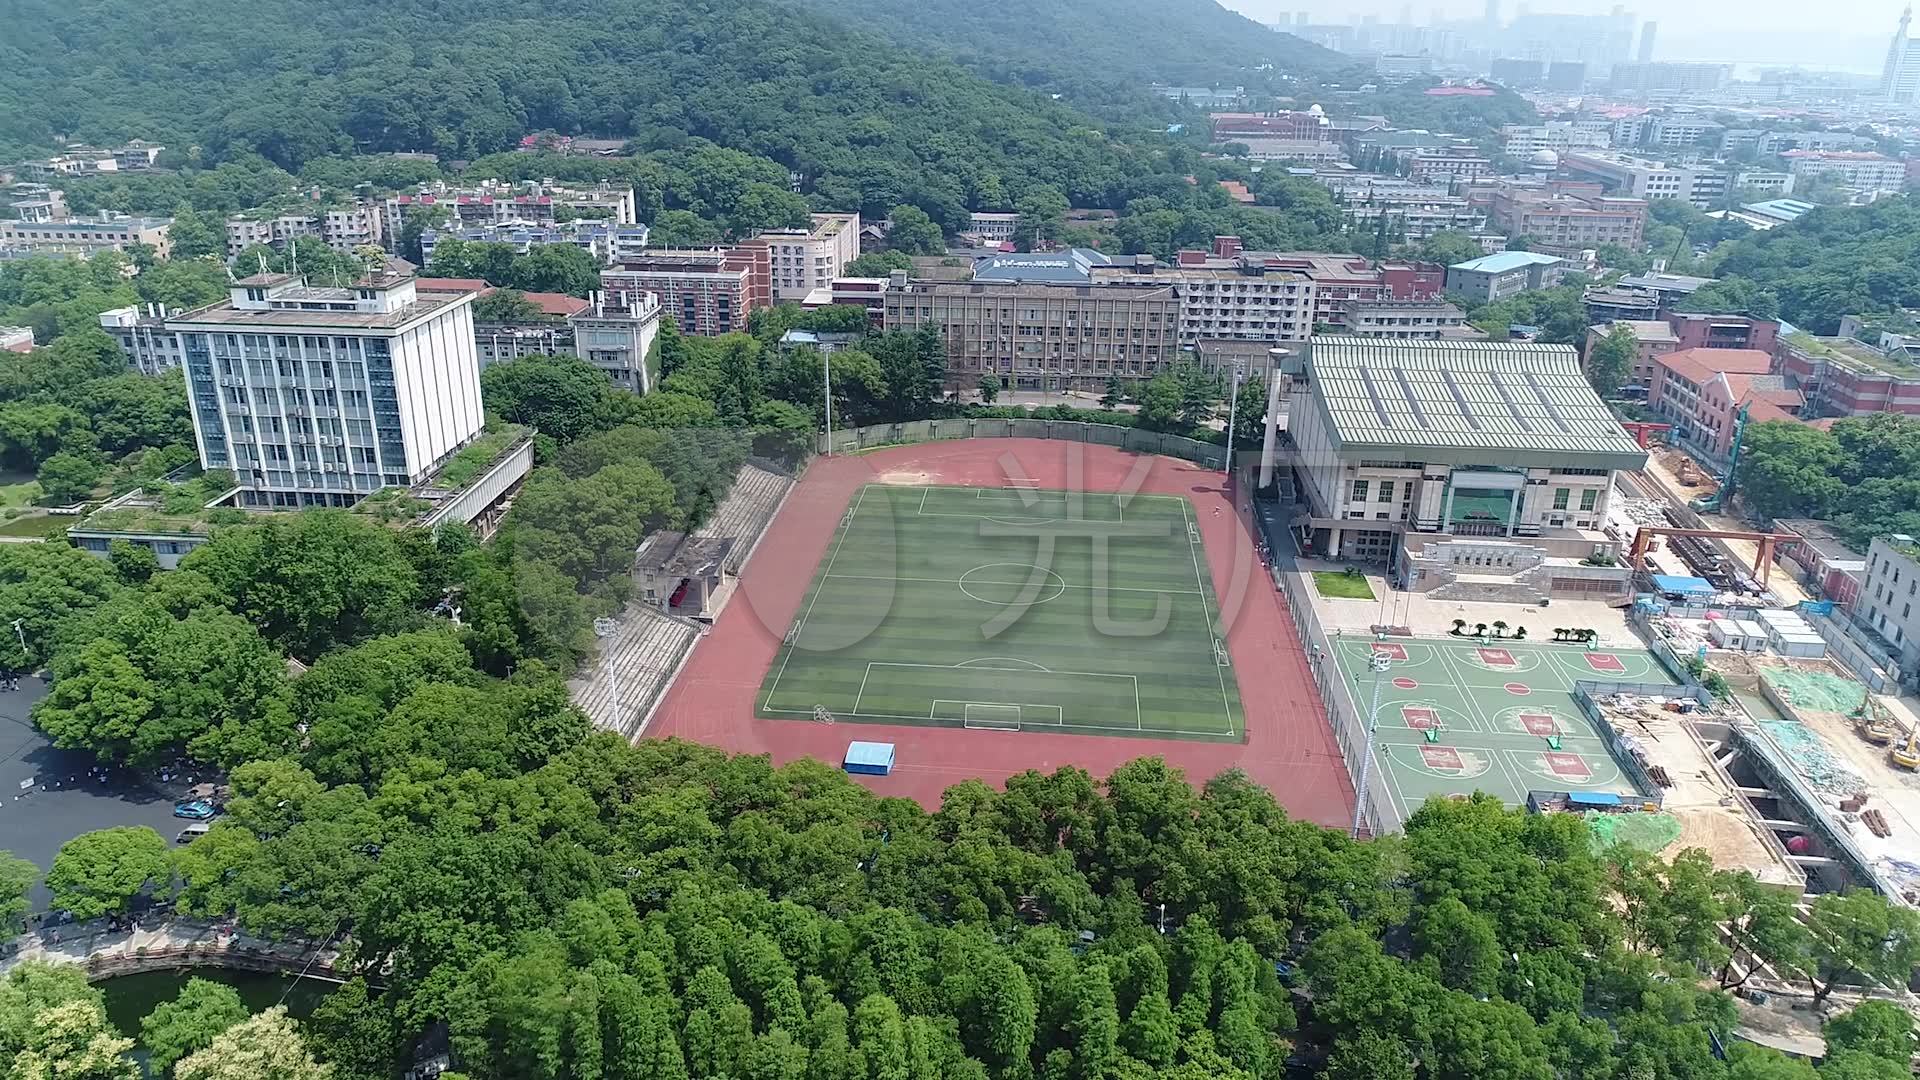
[1849,33]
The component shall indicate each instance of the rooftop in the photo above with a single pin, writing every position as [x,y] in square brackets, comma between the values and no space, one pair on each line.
[1643,330]
[1699,365]
[224,314]
[1459,400]
[1855,354]
[1506,262]
[1673,283]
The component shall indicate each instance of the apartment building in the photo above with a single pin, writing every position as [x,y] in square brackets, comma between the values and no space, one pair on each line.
[1305,151]
[606,243]
[1844,377]
[341,228]
[1701,392]
[37,202]
[1646,178]
[1036,336]
[1566,218]
[1559,136]
[1863,170]
[320,396]
[1696,331]
[707,291]
[112,232]
[615,340]
[1509,273]
[1448,167]
[1403,320]
[992,228]
[806,259]
[136,156]
[1417,221]
[1681,132]
[499,202]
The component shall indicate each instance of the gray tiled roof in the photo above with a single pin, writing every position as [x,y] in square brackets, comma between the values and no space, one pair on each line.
[1461,399]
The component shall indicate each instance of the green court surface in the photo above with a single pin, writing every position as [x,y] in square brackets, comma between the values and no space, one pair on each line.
[1461,716]
[1011,609]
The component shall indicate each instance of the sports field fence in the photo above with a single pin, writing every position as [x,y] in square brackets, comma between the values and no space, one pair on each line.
[849,440]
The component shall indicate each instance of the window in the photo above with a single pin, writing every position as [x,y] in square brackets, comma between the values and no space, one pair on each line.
[1386,491]
[1359,491]
[1588,498]
[1560,497]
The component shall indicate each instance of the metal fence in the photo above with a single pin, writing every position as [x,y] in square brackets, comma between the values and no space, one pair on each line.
[1344,713]
[848,440]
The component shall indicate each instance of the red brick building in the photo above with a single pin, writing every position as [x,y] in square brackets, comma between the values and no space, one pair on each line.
[1844,377]
[707,291]
[1723,331]
[1701,391]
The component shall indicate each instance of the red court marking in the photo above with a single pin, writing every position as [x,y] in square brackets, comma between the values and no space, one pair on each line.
[1519,689]
[1390,650]
[1405,683]
[1605,661]
[1498,658]
[1289,747]
[1565,763]
[1442,757]
[1419,719]
[1539,724]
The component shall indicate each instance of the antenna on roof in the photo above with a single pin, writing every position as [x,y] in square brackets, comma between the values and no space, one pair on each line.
[293,253]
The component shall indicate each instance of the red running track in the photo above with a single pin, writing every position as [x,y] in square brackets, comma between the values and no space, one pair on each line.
[1289,747]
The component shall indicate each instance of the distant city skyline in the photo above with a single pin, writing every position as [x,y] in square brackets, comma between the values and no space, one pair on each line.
[1851,34]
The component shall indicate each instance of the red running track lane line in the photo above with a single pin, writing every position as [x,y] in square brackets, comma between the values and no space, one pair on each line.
[1289,748]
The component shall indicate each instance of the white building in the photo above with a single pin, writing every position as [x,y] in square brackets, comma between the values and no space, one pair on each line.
[497,202]
[1852,168]
[320,396]
[1559,136]
[1889,601]
[86,238]
[1645,178]
[341,228]
[142,332]
[992,228]
[1484,466]
[806,259]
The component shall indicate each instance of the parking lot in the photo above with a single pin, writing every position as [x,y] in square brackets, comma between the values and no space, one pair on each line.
[48,795]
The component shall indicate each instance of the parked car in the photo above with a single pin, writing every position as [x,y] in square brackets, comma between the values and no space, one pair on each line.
[192,832]
[197,809]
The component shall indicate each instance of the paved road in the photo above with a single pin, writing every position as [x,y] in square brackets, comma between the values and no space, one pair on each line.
[48,795]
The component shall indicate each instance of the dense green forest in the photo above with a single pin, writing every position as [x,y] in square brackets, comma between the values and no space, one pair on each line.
[1863,474]
[848,112]
[1835,261]
[1099,54]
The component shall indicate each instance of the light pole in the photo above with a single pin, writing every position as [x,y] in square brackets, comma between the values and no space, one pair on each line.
[22,635]
[605,628]
[826,397]
[1379,664]
[1233,410]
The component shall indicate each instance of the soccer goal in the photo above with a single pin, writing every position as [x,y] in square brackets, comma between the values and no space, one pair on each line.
[984,717]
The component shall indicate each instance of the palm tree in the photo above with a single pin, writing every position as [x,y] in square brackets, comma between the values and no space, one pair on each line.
[1459,625]
[1520,633]
[1480,629]
[1499,628]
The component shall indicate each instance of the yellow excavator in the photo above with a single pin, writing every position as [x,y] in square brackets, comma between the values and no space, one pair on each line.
[1873,724]
[1907,754]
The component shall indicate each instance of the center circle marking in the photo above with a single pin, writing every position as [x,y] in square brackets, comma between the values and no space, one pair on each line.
[1405,683]
[1018,577]
[1518,689]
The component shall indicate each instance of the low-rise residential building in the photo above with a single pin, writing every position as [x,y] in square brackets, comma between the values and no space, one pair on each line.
[1889,601]
[1844,377]
[86,238]
[136,156]
[1652,339]
[1310,125]
[605,242]
[992,228]
[1702,391]
[1406,320]
[1680,132]
[1834,568]
[707,291]
[1416,221]
[1476,466]
[863,292]
[1858,169]
[1447,166]
[1305,151]
[1610,304]
[1559,136]
[1769,181]
[17,339]
[1496,277]
[342,227]
[1647,178]
[806,259]
[1669,288]
[498,202]
[37,202]
[1043,337]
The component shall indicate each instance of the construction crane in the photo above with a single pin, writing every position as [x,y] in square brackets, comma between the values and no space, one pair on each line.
[1709,504]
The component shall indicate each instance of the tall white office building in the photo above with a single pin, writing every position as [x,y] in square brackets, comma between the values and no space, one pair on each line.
[1900,78]
[317,396]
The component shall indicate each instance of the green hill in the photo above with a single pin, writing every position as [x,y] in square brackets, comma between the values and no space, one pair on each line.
[1094,51]
[859,119]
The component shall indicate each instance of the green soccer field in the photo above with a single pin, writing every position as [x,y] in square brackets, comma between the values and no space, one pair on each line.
[1011,609]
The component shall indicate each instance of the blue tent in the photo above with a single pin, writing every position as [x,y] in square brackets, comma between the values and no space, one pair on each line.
[871,758]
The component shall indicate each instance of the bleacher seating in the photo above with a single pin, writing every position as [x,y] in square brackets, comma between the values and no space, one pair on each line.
[746,511]
[632,669]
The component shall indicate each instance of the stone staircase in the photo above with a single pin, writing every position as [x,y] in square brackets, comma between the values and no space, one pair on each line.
[1490,589]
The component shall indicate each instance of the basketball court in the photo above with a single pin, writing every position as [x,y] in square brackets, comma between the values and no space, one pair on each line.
[1498,716]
